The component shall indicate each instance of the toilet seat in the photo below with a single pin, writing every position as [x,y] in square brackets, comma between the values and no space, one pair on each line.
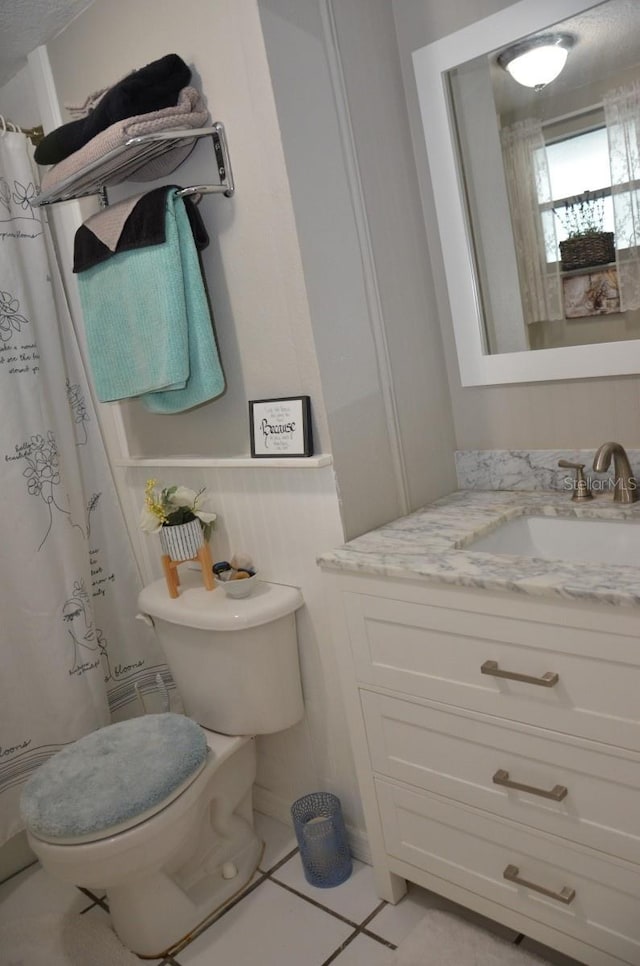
[114,778]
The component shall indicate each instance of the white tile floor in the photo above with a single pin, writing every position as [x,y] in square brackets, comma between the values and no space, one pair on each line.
[280,920]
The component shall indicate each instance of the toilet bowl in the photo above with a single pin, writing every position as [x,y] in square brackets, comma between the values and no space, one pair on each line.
[168,832]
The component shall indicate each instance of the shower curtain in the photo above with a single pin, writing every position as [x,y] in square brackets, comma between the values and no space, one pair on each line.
[71,651]
[529,187]
[622,117]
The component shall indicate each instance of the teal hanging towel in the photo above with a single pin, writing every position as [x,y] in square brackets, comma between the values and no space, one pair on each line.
[147,320]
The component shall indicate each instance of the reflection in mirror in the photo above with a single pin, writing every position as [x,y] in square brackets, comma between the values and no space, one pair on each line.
[542,210]
[550,175]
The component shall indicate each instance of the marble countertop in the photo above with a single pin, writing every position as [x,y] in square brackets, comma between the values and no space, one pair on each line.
[430,544]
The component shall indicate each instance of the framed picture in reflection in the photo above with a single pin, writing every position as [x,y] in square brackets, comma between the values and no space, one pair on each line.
[591,293]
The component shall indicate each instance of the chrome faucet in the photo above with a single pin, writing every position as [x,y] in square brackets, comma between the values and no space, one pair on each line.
[624,484]
[581,488]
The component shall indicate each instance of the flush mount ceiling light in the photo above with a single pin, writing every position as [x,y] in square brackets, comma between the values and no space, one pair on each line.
[536,62]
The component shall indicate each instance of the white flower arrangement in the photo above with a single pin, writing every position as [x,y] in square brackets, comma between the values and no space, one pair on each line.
[172,506]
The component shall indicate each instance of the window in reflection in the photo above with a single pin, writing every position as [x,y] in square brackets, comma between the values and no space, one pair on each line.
[570,178]
[581,159]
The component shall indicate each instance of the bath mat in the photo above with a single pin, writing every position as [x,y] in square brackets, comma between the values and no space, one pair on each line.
[445,939]
[54,940]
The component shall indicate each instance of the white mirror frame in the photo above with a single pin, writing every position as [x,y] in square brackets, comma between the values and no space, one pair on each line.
[430,66]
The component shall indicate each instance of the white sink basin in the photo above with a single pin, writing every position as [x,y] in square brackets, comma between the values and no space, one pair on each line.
[562,538]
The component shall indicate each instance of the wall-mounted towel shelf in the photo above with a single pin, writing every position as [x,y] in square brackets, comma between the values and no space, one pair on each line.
[125,160]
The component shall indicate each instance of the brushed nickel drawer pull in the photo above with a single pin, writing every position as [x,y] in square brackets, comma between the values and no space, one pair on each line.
[566,895]
[546,681]
[557,793]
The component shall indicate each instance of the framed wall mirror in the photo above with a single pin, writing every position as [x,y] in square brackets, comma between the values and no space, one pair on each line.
[537,190]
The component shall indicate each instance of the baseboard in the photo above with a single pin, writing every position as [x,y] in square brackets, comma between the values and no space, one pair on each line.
[272,805]
[359,845]
[278,808]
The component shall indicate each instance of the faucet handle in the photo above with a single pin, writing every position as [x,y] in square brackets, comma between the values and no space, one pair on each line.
[581,490]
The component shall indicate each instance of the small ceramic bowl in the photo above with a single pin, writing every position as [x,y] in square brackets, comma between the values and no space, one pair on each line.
[238,588]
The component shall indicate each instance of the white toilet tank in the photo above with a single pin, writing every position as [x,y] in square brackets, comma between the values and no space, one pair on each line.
[235,662]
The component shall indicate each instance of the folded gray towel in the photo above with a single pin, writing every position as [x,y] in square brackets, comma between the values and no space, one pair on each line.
[108,223]
[189,112]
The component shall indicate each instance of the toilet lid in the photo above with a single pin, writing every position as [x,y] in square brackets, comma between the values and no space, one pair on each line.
[112,777]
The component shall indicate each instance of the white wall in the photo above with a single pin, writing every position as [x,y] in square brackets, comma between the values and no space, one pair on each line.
[308,297]
[376,103]
[486,189]
[252,265]
[283,517]
[18,100]
[332,261]
[340,102]
[577,413]
[321,283]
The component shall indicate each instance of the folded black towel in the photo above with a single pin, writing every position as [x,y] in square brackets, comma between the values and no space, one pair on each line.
[145,226]
[151,88]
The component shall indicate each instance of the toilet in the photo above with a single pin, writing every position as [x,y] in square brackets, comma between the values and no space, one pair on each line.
[157,810]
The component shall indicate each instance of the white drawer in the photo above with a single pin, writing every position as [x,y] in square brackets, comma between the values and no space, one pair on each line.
[438,652]
[456,754]
[472,849]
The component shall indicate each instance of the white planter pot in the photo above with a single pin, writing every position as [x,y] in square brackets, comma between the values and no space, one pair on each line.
[182,542]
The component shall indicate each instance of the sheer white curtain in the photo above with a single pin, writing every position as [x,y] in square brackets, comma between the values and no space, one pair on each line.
[528,187]
[622,117]
[70,648]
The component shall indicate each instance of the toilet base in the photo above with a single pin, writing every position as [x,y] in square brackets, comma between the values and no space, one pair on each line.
[168,875]
[157,917]
[247,868]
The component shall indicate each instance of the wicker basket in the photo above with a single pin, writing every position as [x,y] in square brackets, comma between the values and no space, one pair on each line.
[588,250]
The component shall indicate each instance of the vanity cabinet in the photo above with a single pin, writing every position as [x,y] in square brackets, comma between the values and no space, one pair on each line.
[497,745]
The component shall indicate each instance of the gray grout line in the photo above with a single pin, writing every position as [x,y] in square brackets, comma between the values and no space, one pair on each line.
[216,918]
[380,939]
[313,902]
[370,933]
[358,928]
[359,931]
[372,915]
[18,872]
[347,942]
[87,908]
[279,863]
[100,905]
[97,901]
[319,905]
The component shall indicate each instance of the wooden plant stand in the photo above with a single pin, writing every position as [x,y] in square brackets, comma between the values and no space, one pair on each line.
[172,577]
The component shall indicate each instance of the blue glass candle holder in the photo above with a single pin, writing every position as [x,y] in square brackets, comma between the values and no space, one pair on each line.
[322,838]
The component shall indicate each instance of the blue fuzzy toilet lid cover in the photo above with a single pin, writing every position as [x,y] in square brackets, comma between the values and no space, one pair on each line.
[112,776]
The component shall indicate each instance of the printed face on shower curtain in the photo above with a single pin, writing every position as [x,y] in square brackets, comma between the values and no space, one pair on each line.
[89,645]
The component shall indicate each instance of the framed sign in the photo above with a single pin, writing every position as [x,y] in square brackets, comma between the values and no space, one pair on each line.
[281,427]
